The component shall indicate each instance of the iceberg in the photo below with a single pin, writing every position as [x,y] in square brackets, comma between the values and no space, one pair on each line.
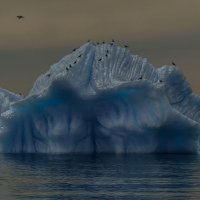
[102,99]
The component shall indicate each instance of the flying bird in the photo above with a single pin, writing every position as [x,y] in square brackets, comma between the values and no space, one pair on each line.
[173,64]
[20,17]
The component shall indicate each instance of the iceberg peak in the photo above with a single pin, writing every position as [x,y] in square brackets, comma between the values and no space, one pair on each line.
[93,68]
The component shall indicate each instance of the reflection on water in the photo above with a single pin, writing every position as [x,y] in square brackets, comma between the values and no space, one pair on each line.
[82,177]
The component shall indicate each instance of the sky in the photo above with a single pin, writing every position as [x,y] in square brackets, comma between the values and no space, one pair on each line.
[162,31]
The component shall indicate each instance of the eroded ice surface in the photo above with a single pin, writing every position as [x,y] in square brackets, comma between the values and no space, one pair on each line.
[103,98]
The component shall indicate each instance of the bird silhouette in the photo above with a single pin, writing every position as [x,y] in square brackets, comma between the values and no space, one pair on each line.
[126,46]
[173,64]
[99,59]
[113,40]
[20,17]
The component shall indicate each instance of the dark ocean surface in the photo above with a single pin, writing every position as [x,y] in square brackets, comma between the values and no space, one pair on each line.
[84,177]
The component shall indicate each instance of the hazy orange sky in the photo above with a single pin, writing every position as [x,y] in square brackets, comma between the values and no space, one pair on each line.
[163,31]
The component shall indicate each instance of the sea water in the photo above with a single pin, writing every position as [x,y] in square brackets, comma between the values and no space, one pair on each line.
[85,177]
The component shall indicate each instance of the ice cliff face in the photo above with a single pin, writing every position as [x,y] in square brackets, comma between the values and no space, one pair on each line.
[102,98]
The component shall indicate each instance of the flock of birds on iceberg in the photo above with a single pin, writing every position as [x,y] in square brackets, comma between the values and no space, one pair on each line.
[101,98]
[101,58]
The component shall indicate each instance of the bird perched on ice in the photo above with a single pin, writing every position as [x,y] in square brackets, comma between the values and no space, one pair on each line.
[173,64]
[140,78]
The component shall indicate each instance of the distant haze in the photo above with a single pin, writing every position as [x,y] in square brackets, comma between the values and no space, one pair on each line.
[163,31]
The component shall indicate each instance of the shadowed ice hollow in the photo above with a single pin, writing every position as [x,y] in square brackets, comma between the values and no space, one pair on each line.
[102,99]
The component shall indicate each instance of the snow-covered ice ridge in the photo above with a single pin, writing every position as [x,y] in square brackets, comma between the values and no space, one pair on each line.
[103,98]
